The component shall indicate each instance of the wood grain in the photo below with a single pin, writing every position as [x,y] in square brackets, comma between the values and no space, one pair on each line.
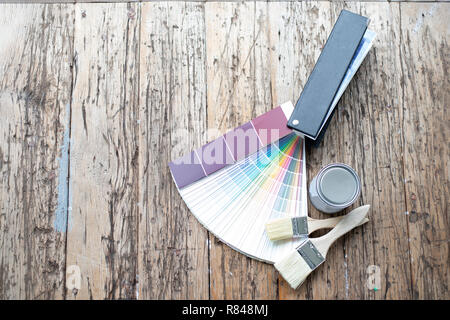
[35,82]
[371,142]
[69,1]
[238,90]
[298,31]
[354,138]
[96,99]
[173,248]
[128,1]
[102,240]
[425,35]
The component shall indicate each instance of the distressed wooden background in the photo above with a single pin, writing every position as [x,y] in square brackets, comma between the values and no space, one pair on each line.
[97,98]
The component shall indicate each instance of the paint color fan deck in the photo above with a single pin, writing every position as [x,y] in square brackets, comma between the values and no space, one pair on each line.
[255,173]
[235,203]
[265,181]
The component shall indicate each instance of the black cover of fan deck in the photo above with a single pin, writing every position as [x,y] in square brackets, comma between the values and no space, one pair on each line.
[324,81]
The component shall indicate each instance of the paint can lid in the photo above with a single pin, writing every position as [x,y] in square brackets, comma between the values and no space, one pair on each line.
[339,185]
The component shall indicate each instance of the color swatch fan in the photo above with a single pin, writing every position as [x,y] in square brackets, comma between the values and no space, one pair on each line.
[238,182]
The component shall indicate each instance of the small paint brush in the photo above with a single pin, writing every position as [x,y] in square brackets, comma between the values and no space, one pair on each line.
[287,228]
[297,265]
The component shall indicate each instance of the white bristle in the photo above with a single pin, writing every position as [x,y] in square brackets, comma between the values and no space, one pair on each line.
[279,229]
[293,268]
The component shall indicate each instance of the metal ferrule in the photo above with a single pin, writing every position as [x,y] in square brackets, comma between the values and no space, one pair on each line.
[310,254]
[300,226]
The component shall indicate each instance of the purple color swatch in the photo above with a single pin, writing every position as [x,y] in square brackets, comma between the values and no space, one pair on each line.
[235,145]
[242,141]
[186,170]
[215,155]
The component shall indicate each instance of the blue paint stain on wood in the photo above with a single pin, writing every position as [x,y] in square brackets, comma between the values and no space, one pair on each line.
[63,214]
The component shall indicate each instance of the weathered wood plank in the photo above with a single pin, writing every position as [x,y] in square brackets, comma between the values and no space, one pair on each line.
[102,237]
[35,82]
[68,1]
[364,134]
[173,248]
[298,31]
[425,37]
[238,90]
[372,142]
[112,1]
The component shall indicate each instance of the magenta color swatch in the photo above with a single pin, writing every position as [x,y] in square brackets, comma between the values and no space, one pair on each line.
[271,126]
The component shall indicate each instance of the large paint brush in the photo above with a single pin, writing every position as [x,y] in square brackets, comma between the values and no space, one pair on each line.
[297,265]
[287,228]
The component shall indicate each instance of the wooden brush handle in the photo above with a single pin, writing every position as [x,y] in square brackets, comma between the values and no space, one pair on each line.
[317,224]
[348,222]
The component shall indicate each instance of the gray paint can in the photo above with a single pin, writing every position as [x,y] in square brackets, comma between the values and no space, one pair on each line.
[334,188]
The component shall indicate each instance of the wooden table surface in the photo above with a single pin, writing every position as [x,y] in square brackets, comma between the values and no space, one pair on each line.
[97,98]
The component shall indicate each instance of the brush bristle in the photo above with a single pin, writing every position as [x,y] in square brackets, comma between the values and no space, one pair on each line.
[280,229]
[294,269]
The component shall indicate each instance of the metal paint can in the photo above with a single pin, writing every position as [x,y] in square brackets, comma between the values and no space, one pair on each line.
[334,188]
